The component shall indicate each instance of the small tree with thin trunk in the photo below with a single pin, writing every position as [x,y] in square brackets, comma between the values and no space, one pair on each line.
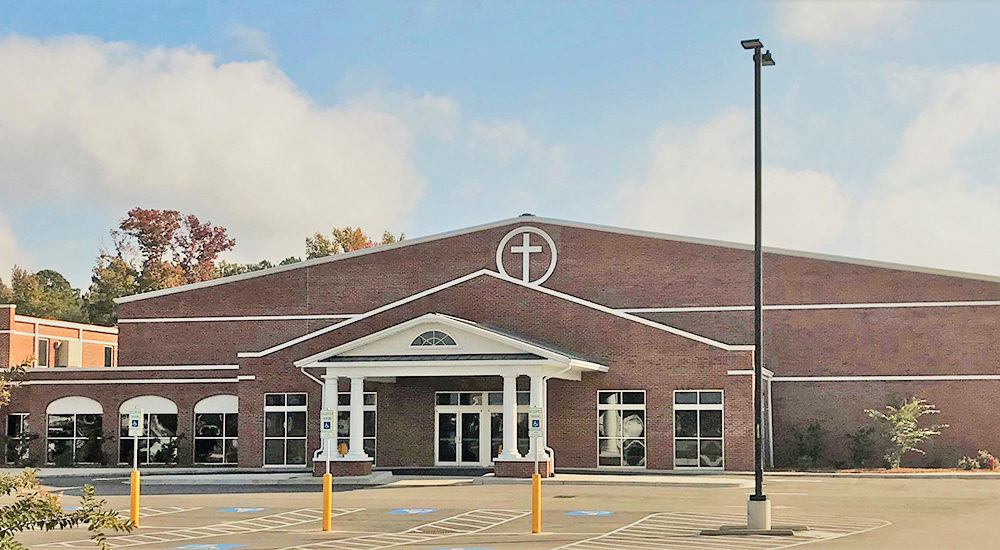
[902,425]
[28,506]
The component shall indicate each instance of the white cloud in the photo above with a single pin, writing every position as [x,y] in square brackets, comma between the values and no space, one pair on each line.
[10,252]
[252,41]
[840,22]
[700,183]
[235,143]
[938,202]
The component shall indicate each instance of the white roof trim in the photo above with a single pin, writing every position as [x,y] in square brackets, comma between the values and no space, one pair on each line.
[457,323]
[241,318]
[890,378]
[872,305]
[486,272]
[64,324]
[564,223]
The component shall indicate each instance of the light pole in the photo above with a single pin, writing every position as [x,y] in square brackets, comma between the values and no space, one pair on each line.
[758,508]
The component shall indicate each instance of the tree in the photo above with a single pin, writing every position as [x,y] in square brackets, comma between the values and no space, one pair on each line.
[6,294]
[226,269]
[197,247]
[343,240]
[902,424]
[112,278]
[44,294]
[29,506]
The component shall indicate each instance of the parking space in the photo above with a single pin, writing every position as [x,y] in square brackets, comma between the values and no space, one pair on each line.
[841,513]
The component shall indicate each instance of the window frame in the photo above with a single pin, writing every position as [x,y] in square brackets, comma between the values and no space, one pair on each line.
[438,334]
[223,438]
[109,356]
[285,438]
[22,428]
[147,437]
[699,406]
[73,438]
[48,352]
[623,407]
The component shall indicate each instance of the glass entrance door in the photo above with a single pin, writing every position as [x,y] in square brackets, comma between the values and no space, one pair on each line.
[458,438]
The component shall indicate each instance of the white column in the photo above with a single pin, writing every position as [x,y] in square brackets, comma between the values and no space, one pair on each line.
[355,448]
[330,402]
[537,400]
[509,419]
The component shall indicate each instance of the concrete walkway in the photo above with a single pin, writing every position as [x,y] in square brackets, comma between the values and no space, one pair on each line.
[633,480]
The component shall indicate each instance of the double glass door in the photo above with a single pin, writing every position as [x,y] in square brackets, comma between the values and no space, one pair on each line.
[459,438]
[469,427]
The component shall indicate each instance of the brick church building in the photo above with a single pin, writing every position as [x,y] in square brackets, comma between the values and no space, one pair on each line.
[636,345]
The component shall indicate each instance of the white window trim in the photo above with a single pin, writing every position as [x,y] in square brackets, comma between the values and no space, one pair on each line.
[286,409]
[624,407]
[147,438]
[73,438]
[195,437]
[485,427]
[24,428]
[48,352]
[699,407]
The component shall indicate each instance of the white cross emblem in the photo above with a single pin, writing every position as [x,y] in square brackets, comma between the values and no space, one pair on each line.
[526,249]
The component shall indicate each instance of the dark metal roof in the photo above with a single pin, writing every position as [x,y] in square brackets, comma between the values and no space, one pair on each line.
[434,357]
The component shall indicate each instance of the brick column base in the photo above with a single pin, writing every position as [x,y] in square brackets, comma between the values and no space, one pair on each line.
[521,468]
[343,468]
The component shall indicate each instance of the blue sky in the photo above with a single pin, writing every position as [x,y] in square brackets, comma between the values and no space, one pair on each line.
[881,125]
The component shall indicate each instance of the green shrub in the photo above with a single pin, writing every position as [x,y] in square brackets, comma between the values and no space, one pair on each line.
[983,461]
[809,445]
[902,425]
[861,443]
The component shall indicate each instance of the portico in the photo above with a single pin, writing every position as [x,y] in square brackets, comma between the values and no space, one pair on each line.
[438,346]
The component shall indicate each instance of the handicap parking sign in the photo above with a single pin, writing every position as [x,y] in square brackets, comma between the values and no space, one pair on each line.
[590,513]
[414,511]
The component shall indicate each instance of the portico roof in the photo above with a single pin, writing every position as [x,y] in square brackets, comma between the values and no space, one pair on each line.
[476,351]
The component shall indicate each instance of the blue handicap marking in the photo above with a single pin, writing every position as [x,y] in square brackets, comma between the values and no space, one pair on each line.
[243,510]
[590,513]
[208,546]
[414,511]
[460,548]
[70,508]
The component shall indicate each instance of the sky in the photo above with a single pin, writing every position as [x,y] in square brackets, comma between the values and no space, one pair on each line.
[881,122]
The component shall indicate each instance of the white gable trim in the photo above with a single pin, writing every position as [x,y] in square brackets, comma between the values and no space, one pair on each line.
[776,307]
[486,272]
[458,324]
[564,223]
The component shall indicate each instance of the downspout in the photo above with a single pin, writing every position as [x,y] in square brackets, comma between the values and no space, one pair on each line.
[317,452]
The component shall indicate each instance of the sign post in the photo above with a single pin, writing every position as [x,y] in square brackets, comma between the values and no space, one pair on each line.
[135,431]
[535,433]
[327,431]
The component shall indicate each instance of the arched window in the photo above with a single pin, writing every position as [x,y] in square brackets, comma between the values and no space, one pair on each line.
[433,338]
[158,444]
[215,430]
[73,431]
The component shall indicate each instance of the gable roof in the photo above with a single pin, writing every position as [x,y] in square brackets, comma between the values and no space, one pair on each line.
[488,273]
[527,218]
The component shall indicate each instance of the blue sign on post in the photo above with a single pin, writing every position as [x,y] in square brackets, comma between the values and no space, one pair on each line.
[414,511]
[590,513]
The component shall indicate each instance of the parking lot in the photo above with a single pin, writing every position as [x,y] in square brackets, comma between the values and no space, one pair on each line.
[455,513]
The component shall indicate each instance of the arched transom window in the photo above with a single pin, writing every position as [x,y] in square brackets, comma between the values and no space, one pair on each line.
[433,338]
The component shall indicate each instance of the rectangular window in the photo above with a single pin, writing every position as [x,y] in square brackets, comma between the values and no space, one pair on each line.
[285,429]
[109,356]
[43,352]
[158,443]
[621,428]
[16,451]
[344,423]
[215,438]
[698,429]
[73,439]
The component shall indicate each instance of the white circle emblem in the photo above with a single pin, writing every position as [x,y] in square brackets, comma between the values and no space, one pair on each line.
[526,248]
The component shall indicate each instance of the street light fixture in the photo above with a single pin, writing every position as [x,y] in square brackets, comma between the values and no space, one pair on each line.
[758,508]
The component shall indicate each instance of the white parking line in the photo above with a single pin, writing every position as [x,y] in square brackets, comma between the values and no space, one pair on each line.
[680,531]
[466,523]
[242,527]
[146,512]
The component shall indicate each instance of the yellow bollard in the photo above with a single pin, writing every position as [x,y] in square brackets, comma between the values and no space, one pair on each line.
[327,502]
[536,503]
[134,502]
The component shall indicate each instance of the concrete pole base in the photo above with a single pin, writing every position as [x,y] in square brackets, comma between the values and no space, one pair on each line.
[759,514]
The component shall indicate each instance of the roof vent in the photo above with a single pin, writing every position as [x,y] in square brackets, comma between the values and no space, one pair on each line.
[527,215]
